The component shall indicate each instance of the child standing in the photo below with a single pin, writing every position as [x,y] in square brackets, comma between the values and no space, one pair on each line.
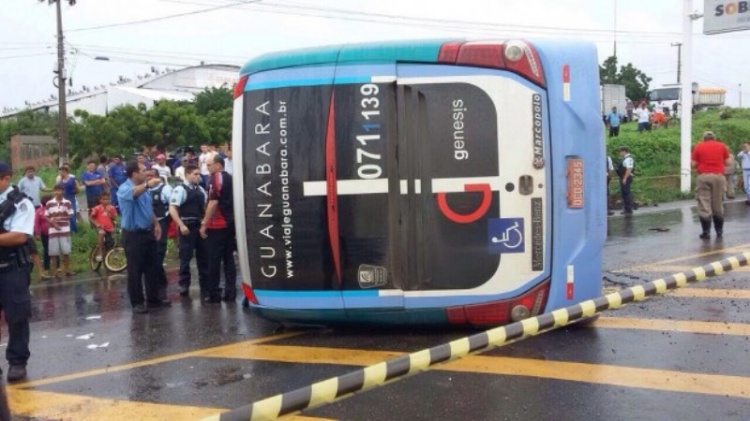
[102,217]
[41,231]
[58,213]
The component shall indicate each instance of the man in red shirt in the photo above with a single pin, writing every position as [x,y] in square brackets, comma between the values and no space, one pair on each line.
[217,228]
[709,158]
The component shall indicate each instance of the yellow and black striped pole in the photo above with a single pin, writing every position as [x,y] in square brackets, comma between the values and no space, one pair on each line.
[376,375]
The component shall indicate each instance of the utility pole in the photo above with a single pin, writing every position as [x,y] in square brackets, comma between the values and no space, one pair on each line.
[62,130]
[686,98]
[740,95]
[615,31]
[679,58]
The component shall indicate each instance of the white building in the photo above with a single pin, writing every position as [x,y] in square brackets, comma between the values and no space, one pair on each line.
[175,85]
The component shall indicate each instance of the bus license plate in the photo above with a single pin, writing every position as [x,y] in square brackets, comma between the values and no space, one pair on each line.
[575,183]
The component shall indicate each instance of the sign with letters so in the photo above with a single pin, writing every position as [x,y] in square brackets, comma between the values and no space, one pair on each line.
[725,16]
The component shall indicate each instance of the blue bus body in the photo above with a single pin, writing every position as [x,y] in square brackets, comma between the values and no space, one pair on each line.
[420,182]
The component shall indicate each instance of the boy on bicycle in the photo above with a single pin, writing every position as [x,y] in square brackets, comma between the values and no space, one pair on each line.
[102,219]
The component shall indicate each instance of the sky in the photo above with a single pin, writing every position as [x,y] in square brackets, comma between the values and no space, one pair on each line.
[138,35]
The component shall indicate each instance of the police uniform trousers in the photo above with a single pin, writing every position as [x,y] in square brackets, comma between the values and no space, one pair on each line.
[627,194]
[140,250]
[220,243]
[161,252]
[15,301]
[190,244]
[709,189]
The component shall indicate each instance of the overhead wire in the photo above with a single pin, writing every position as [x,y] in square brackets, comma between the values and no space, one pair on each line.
[160,18]
[26,55]
[457,25]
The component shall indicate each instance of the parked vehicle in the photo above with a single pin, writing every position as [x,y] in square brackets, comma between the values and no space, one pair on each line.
[667,98]
[613,96]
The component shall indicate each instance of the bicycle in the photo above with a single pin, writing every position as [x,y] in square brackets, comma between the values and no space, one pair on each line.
[114,259]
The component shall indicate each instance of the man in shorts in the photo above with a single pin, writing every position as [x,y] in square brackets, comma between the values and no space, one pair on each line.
[58,213]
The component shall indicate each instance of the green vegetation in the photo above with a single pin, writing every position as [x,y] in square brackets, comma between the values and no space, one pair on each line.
[657,152]
[129,128]
[635,81]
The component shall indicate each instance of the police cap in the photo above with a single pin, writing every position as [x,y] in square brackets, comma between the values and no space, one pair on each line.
[5,168]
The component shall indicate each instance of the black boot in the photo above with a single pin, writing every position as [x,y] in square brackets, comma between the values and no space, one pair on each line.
[706,226]
[719,226]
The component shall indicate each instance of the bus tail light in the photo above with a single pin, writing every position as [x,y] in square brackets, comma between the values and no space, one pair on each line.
[249,294]
[501,312]
[521,58]
[517,56]
[239,87]
[449,52]
[482,54]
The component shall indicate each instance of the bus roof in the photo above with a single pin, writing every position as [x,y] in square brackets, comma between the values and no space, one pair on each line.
[387,51]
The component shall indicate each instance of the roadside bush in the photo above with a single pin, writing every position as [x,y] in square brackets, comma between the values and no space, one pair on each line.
[657,152]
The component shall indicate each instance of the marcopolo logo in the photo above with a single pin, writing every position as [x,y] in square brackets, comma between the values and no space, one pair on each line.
[731,8]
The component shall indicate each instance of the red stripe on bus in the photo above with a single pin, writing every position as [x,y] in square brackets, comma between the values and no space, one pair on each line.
[332,199]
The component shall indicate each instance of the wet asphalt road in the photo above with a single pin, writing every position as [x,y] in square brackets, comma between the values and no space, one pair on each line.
[681,356]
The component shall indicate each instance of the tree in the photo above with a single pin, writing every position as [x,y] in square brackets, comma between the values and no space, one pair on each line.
[635,81]
[96,135]
[138,126]
[177,123]
[215,107]
[213,99]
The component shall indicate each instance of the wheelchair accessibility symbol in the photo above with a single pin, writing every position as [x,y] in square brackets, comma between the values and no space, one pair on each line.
[505,235]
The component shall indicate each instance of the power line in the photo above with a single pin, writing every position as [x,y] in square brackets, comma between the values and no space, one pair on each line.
[26,55]
[492,27]
[138,22]
[136,61]
[155,53]
[24,48]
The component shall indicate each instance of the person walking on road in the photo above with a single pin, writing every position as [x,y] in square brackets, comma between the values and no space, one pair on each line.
[217,229]
[186,207]
[160,195]
[743,157]
[17,223]
[709,158]
[140,232]
[625,176]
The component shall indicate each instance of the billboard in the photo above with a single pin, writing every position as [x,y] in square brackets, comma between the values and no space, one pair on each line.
[725,16]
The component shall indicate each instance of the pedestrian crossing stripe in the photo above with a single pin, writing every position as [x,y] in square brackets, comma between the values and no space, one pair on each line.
[398,367]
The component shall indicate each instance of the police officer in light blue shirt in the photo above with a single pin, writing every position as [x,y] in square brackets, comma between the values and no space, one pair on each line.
[17,216]
[140,232]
